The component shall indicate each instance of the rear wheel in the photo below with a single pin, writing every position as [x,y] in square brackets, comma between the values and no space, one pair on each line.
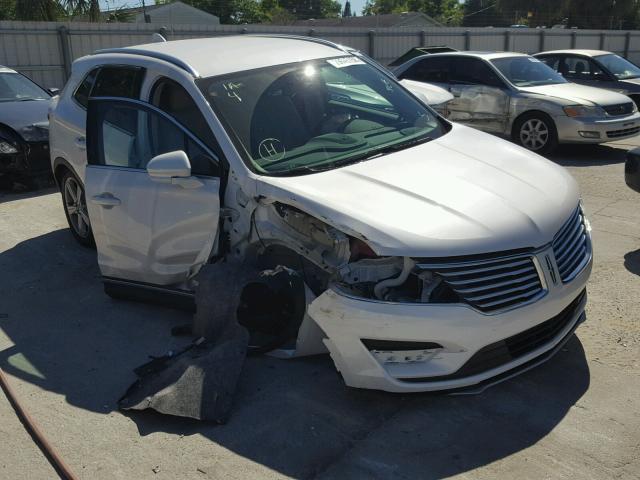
[75,209]
[536,132]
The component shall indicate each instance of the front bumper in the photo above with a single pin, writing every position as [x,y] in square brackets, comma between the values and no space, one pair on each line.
[465,334]
[32,159]
[606,129]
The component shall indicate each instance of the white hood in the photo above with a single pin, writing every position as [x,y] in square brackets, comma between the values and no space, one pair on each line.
[575,94]
[465,193]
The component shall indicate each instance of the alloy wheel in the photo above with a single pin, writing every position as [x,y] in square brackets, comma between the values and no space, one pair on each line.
[76,206]
[534,134]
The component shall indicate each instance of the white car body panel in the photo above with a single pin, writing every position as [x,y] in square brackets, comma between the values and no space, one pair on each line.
[163,242]
[435,95]
[464,194]
[506,203]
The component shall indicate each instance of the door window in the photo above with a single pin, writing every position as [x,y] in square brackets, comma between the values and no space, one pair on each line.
[83,92]
[581,68]
[129,135]
[473,71]
[171,97]
[110,81]
[552,61]
[434,70]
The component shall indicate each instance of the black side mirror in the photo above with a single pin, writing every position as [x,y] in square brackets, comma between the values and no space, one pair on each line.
[53,91]
[632,169]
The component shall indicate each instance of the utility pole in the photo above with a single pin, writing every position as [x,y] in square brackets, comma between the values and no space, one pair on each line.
[147,19]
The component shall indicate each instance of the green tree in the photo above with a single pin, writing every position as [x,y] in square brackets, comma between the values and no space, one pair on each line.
[38,10]
[447,12]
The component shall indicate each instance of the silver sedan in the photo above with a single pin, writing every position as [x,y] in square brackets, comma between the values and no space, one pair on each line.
[517,95]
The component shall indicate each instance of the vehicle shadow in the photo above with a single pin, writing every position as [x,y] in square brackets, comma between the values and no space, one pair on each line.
[295,417]
[632,262]
[9,193]
[587,155]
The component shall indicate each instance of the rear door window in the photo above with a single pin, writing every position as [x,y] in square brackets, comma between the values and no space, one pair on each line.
[118,81]
[434,70]
[581,68]
[83,91]
[110,81]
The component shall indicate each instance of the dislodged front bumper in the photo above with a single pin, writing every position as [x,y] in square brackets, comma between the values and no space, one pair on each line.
[472,349]
[596,130]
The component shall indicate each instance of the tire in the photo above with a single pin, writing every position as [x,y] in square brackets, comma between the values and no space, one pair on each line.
[535,131]
[75,209]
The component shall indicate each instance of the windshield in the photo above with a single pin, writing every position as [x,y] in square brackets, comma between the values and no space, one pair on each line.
[527,71]
[317,115]
[620,67]
[16,88]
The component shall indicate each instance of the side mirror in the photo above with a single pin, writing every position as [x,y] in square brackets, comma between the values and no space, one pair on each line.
[169,165]
[173,168]
[53,91]
[632,169]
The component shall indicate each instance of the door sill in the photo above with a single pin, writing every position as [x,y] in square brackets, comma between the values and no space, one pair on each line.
[149,293]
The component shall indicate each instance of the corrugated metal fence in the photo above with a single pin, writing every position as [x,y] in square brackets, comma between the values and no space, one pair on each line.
[45,50]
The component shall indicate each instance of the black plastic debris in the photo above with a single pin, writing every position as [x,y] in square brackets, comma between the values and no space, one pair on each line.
[199,381]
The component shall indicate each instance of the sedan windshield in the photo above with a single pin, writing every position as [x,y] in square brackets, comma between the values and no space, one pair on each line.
[527,71]
[620,67]
[16,88]
[317,115]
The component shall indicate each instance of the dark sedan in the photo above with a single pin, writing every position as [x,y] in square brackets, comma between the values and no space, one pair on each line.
[596,68]
[24,129]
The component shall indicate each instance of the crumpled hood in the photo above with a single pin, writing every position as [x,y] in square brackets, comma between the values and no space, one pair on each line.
[465,193]
[18,115]
[575,94]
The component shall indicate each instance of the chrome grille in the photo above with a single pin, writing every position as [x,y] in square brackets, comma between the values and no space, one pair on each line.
[571,247]
[492,284]
[619,109]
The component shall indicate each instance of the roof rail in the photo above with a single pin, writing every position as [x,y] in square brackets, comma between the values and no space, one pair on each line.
[321,41]
[153,54]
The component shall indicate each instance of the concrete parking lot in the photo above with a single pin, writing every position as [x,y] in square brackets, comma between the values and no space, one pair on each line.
[69,351]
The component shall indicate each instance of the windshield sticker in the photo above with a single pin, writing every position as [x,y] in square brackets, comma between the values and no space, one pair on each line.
[233,90]
[345,62]
[271,149]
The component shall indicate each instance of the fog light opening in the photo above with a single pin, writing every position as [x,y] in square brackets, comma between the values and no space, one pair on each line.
[589,134]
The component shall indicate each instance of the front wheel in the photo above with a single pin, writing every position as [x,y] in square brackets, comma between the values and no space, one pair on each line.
[536,132]
[75,209]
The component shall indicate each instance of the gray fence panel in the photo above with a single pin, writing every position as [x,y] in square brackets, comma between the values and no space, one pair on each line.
[36,48]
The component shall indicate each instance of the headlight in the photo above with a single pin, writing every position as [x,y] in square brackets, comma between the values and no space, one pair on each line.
[35,133]
[7,148]
[583,111]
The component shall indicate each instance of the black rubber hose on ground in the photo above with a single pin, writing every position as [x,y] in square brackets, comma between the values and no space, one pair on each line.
[32,427]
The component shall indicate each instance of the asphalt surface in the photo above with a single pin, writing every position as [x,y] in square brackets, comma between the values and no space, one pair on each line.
[69,351]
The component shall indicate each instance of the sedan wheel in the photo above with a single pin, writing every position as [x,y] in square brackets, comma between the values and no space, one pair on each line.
[75,206]
[534,134]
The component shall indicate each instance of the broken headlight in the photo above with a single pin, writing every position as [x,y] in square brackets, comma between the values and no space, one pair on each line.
[394,279]
[7,148]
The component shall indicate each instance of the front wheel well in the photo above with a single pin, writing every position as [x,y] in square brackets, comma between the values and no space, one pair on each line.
[60,168]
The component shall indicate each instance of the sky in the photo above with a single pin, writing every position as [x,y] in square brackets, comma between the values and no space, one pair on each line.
[356,5]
